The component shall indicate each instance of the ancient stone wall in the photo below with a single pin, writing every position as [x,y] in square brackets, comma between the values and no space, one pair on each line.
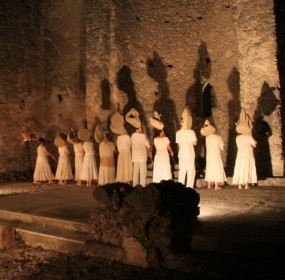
[259,81]
[42,80]
[62,61]
[153,53]
[20,77]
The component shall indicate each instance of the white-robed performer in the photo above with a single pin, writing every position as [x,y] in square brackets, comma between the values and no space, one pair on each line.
[186,140]
[78,155]
[245,169]
[214,165]
[140,149]
[124,164]
[89,166]
[43,171]
[161,163]
[63,170]
[106,153]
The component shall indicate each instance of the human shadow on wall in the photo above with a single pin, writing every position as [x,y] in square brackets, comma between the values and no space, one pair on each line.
[194,100]
[106,94]
[126,84]
[234,108]
[266,105]
[164,105]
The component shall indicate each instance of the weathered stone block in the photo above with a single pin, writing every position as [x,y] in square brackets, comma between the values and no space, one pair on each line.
[7,237]
[136,254]
[149,223]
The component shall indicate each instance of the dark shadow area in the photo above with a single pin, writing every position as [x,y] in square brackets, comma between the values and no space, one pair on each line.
[106,93]
[266,105]
[126,84]
[234,108]
[164,105]
[200,100]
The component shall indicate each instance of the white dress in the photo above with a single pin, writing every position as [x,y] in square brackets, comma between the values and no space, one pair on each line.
[107,163]
[124,165]
[214,164]
[161,163]
[89,166]
[42,169]
[63,171]
[245,169]
[139,158]
[78,160]
[185,138]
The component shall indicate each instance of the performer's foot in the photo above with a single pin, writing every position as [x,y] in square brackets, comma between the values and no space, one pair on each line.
[240,187]
[247,187]
[36,182]
[51,182]
[218,188]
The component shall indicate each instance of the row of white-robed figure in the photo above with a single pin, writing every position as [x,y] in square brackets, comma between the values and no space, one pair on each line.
[133,152]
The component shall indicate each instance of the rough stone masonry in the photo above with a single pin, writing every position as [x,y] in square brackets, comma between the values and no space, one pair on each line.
[149,224]
[65,61]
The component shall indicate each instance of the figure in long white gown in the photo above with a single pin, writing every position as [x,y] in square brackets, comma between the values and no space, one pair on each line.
[186,140]
[43,171]
[140,152]
[89,166]
[63,171]
[245,169]
[214,164]
[78,158]
[107,162]
[161,164]
[124,165]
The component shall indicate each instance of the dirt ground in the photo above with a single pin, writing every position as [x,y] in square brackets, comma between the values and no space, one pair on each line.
[22,262]
[241,236]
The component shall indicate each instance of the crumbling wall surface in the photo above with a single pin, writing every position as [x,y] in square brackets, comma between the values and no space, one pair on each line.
[153,52]
[20,67]
[150,224]
[259,81]
[62,61]
[64,46]
[97,56]
[42,81]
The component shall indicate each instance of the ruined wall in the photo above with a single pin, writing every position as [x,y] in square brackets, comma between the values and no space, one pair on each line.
[42,79]
[255,27]
[64,45]
[62,61]
[153,53]
[20,77]
[279,8]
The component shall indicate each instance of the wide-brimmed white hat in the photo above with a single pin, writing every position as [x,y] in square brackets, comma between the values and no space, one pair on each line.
[244,125]
[117,124]
[99,134]
[133,118]
[59,140]
[208,128]
[186,118]
[155,121]
[84,134]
